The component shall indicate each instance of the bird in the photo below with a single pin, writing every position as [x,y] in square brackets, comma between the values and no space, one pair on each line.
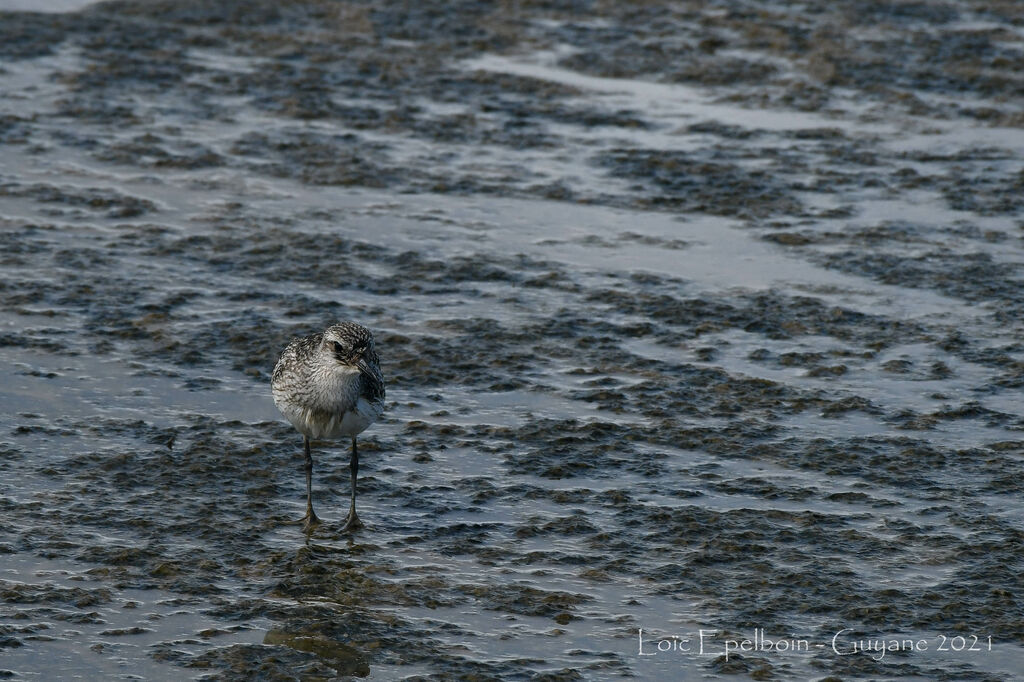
[329,386]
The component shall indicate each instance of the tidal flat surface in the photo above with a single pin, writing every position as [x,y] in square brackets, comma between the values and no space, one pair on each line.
[701,324]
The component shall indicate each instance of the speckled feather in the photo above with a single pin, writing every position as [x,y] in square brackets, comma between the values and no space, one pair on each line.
[329,385]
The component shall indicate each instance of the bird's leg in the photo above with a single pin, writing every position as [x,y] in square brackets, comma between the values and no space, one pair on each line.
[310,520]
[353,521]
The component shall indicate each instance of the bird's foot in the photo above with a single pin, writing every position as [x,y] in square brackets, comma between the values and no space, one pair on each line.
[352,523]
[309,521]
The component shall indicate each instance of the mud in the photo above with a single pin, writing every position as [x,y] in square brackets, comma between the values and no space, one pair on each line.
[695,319]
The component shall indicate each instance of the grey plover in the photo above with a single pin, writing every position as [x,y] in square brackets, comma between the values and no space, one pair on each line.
[329,386]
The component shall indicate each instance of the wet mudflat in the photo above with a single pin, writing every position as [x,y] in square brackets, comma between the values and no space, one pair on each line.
[701,323]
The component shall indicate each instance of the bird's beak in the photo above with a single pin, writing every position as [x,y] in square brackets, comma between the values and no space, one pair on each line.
[364,366]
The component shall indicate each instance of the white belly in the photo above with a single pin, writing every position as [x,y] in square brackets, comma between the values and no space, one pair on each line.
[318,425]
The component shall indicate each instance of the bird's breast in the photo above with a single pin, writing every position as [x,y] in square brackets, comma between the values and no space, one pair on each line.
[330,406]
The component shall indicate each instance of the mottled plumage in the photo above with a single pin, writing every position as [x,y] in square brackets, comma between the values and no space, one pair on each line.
[329,385]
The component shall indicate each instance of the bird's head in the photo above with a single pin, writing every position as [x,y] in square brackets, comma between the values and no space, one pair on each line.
[350,344]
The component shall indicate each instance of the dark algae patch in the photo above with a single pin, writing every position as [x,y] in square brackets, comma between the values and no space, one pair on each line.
[700,324]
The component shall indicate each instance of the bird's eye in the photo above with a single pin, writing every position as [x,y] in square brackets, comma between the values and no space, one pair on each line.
[338,348]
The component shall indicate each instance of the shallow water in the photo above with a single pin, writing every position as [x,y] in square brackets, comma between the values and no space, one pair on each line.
[699,336]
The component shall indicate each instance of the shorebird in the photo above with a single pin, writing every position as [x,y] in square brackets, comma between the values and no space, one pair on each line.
[329,386]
